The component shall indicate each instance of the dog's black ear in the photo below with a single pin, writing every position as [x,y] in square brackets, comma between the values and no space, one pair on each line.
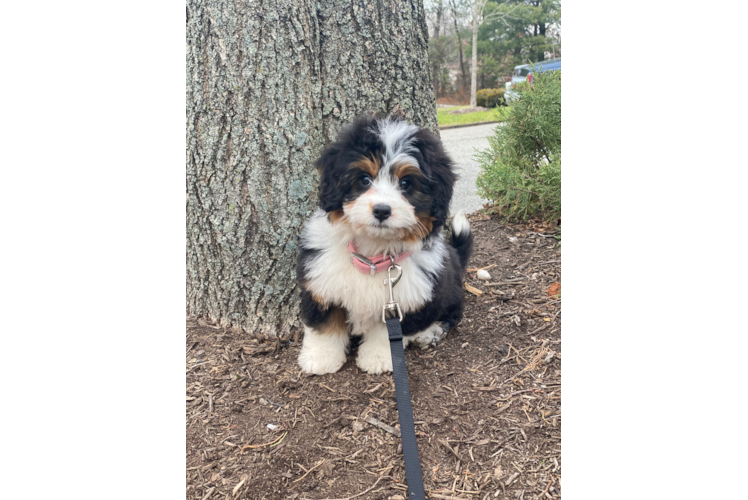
[439,168]
[354,141]
[330,192]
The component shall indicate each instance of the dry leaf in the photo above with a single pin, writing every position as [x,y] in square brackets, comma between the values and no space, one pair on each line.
[554,289]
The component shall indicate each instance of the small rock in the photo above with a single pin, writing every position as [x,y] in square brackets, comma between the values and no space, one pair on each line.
[272,427]
[357,426]
[344,421]
[483,275]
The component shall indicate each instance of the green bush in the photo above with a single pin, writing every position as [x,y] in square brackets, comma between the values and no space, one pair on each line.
[489,98]
[521,169]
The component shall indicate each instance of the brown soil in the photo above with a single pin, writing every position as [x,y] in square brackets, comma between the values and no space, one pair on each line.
[486,400]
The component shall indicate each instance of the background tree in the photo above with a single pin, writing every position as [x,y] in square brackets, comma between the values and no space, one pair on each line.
[524,36]
[479,15]
[268,85]
[511,32]
[437,46]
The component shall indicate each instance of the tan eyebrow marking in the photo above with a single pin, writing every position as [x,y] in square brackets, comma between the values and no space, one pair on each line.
[370,165]
[402,169]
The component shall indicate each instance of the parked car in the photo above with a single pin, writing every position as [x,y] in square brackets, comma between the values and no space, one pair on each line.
[523,73]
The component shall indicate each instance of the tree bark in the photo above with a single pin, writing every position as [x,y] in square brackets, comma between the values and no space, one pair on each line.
[269,83]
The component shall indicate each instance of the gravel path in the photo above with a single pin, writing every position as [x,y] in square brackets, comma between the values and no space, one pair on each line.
[461,143]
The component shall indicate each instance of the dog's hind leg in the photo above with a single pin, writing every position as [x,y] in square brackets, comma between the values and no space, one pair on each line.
[429,336]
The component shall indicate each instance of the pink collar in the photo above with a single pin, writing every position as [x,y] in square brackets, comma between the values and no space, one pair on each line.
[376,264]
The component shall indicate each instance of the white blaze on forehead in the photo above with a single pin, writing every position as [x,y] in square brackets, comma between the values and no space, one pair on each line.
[397,137]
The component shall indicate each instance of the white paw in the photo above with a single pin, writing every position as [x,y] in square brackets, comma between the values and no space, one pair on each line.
[319,361]
[429,336]
[322,353]
[374,358]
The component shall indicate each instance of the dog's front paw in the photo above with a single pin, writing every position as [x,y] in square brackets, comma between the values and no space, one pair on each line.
[320,363]
[374,358]
[320,360]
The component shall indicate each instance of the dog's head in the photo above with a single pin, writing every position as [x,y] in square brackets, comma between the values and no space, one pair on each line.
[385,178]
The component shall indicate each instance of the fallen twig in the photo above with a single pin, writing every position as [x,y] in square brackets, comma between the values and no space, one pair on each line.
[373,421]
[274,404]
[445,497]
[546,487]
[476,269]
[310,470]
[253,446]
[446,445]
[367,490]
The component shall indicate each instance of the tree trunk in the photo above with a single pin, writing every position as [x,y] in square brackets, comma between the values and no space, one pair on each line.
[473,69]
[269,83]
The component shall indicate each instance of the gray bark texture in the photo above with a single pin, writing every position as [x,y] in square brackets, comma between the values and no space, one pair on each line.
[269,84]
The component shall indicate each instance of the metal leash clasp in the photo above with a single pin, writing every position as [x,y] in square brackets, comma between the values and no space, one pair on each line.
[392,306]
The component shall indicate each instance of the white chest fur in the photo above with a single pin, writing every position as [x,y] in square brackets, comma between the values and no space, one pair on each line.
[332,277]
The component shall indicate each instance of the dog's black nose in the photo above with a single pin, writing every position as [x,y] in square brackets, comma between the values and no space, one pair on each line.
[381,211]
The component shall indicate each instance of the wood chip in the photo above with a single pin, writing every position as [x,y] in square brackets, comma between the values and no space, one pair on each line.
[236,488]
[470,288]
[373,421]
[368,391]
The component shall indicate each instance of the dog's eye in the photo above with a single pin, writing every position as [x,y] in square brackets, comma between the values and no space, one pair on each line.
[365,180]
[405,184]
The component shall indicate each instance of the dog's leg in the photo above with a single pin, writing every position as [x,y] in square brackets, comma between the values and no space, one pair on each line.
[323,352]
[429,336]
[374,352]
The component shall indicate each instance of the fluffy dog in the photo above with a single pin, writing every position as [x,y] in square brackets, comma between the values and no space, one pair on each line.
[385,190]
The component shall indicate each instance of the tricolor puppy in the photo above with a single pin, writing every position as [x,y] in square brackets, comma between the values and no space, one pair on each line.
[384,195]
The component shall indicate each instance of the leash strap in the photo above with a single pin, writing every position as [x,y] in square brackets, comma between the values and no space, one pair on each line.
[405,412]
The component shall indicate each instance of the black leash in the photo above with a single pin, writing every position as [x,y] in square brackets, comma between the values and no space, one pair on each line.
[405,411]
[402,389]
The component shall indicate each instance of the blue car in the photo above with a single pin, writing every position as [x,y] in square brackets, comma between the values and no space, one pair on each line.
[524,73]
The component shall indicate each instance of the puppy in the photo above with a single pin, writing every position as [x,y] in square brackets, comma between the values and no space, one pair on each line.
[385,188]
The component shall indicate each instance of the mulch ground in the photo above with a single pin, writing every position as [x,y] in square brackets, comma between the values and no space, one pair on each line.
[487,399]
